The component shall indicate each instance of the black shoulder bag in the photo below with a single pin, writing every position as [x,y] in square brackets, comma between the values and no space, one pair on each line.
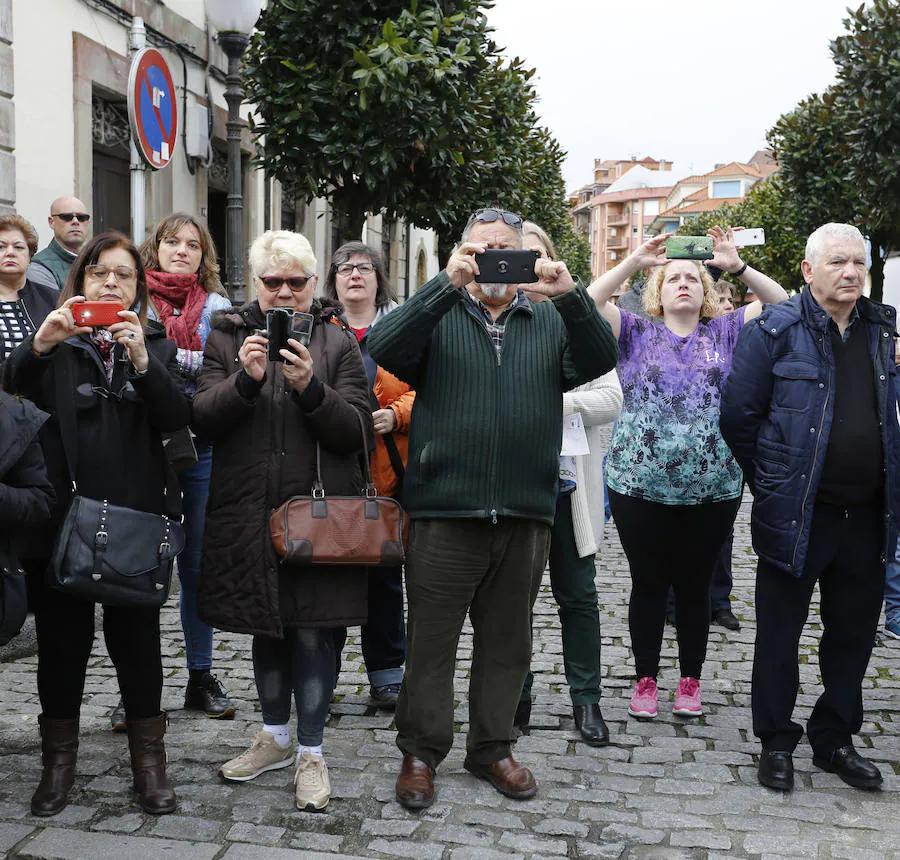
[106,553]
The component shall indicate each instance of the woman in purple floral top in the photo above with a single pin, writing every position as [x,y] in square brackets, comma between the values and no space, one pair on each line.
[674,488]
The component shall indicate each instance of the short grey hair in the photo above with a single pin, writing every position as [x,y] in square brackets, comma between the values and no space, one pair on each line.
[474,219]
[815,244]
[281,247]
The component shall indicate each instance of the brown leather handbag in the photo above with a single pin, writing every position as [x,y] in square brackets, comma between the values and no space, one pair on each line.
[367,529]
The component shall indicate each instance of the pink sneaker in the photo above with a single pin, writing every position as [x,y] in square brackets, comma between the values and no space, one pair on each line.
[687,699]
[644,702]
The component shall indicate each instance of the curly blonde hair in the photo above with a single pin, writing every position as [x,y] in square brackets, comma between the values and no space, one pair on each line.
[652,300]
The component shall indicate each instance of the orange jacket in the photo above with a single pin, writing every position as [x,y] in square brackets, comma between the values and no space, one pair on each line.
[398,396]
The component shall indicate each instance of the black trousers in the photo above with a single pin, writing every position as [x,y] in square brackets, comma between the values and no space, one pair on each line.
[845,557]
[65,635]
[677,546]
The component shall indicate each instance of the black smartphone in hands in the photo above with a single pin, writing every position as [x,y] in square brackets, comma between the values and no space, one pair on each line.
[507,267]
[283,324]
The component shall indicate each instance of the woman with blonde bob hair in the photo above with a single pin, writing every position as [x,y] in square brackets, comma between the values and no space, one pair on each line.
[275,425]
[674,488]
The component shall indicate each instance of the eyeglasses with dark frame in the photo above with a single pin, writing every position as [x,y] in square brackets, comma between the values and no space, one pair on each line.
[346,269]
[274,283]
[488,216]
[68,216]
[98,272]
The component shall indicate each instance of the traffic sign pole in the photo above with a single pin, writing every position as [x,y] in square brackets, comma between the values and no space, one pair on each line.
[137,42]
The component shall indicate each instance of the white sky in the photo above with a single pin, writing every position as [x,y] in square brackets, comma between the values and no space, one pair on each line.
[693,81]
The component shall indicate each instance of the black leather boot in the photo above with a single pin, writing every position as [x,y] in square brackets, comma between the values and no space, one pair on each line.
[148,764]
[59,749]
[589,721]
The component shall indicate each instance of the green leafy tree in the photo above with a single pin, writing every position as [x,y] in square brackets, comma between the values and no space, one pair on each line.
[868,96]
[384,105]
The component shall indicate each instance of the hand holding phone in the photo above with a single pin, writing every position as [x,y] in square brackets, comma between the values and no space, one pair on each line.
[283,324]
[507,267]
[689,248]
[96,314]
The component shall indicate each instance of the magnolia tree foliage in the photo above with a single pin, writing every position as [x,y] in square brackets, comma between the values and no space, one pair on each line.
[402,107]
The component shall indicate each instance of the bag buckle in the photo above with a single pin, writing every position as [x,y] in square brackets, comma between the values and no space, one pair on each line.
[164,547]
[318,492]
[101,539]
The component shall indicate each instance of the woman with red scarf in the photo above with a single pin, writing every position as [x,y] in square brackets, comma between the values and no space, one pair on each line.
[184,286]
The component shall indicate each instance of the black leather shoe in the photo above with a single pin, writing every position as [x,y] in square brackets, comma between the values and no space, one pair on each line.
[850,766]
[776,770]
[205,693]
[117,717]
[726,618]
[589,721]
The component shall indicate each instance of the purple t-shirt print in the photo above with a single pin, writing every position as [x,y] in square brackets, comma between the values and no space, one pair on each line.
[667,446]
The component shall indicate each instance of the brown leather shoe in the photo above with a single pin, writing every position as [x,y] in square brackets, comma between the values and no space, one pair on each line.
[59,749]
[415,785]
[507,776]
[148,764]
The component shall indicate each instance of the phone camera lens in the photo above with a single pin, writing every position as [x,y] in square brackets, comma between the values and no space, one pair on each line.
[503,267]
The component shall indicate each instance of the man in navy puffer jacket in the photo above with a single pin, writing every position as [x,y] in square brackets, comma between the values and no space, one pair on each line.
[810,412]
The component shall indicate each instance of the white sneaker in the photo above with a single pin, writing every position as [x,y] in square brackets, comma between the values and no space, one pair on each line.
[264,754]
[311,783]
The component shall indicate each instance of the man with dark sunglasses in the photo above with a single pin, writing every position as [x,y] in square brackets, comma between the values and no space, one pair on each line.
[69,220]
[489,367]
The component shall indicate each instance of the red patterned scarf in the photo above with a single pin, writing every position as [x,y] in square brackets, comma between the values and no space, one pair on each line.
[179,300]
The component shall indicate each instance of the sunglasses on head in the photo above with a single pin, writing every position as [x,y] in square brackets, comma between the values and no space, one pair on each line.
[491,215]
[68,216]
[270,282]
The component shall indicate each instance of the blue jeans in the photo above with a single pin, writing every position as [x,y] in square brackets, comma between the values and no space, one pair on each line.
[384,634]
[198,636]
[892,588]
[303,664]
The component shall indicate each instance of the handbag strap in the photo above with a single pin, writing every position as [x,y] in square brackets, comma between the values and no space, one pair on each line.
[390,445]
[318,490]
[65,415]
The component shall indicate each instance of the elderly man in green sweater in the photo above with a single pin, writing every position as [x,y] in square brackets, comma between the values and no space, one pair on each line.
[489,367]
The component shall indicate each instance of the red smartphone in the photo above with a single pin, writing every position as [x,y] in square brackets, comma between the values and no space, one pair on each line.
[96,314]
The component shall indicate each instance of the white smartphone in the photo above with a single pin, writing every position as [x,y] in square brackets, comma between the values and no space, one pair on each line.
[751,236]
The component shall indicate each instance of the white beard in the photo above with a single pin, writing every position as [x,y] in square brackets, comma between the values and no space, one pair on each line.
[494,291]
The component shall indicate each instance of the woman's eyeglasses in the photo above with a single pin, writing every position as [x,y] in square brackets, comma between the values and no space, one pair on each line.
[346,269]
[68,216]
[120,273]
[270,282]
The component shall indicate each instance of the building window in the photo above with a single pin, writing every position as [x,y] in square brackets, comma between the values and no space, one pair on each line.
[634,231]
[612,232]
[651,207]
[731,188]
[613,255]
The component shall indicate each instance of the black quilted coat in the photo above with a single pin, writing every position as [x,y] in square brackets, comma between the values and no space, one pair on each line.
[264,451]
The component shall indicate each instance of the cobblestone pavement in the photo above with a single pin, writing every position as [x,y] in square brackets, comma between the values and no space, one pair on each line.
[670,788]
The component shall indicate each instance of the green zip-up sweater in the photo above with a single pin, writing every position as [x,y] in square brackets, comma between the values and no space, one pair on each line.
[486,431]
[57,259]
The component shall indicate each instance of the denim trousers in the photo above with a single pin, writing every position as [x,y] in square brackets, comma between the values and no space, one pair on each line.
[892,588]
[384,634]
[198,636]
[301,664]
[575,592]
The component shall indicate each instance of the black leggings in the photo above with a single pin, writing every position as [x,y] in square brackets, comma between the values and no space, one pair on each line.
[65,635]
[677,546]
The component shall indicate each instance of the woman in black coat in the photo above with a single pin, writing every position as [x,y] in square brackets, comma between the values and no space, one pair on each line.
[122,385]
[26,496]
